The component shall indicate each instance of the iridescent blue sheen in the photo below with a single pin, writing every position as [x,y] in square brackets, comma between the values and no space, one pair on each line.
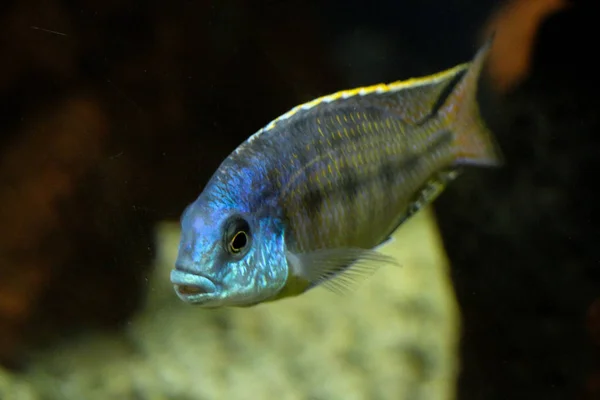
[203,261]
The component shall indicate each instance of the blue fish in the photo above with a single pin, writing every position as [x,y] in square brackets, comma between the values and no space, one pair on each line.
[308,200]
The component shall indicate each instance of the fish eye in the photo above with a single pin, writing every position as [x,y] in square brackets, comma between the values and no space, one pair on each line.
[237,236]
[238,242]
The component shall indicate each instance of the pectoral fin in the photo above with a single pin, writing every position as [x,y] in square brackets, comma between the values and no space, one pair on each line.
[338,270]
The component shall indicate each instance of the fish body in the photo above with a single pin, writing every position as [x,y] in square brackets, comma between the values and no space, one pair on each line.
[307,200]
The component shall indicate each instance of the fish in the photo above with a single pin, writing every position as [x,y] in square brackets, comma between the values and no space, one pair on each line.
[310,199]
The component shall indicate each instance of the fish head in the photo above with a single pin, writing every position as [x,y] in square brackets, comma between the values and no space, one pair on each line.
[228,256]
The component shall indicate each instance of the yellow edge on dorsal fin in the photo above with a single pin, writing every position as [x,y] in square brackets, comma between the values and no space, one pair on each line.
[365,90]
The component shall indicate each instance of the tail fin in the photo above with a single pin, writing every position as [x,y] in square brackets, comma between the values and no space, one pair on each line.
[474,142]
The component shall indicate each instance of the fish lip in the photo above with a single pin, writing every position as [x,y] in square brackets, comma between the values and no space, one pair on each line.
[192,287]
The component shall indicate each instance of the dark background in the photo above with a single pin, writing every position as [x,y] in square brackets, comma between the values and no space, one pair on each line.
[115,113]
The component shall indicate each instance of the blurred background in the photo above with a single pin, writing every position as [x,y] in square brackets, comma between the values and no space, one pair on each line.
[114,114]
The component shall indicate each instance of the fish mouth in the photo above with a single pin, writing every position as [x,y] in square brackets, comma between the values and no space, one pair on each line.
[192,287]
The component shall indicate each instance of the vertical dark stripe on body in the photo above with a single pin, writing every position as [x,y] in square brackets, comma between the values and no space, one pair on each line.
[349,189]
[312,201]
[350,184]
[389,175]
[408,162]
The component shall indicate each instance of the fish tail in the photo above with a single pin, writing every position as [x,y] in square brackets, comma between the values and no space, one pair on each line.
[474,142]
